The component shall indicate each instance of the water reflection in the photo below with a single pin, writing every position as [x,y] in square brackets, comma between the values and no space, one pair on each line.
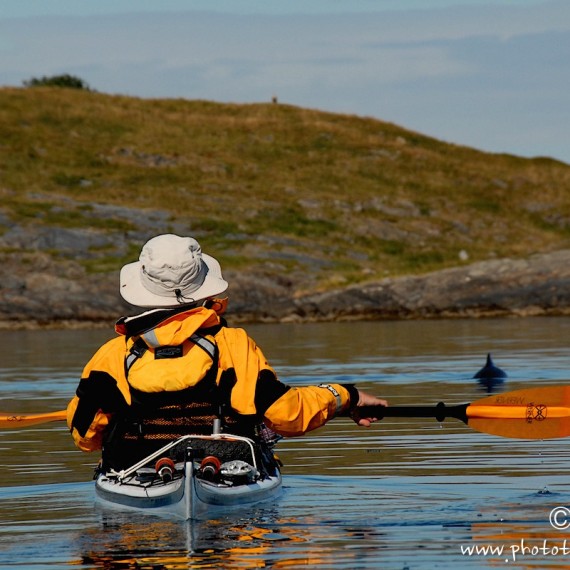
[406,492]
[136,542]
[491,385]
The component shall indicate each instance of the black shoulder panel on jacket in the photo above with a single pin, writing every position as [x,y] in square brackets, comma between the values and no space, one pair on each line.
[267,391]
[99,391]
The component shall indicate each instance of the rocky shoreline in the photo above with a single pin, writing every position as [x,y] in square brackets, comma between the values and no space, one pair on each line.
[40,292]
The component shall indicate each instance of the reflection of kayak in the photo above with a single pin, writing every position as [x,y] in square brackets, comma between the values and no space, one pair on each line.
[192,475]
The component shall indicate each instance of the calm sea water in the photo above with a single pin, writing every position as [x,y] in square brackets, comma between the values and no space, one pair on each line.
[405,493]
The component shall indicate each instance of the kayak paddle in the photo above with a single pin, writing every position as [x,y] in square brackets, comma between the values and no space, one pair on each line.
[534,413]
[24,420]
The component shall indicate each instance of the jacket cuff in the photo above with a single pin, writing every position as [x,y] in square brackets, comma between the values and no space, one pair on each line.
[352,394]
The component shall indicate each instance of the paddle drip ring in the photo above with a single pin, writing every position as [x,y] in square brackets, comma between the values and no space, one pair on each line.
[440,412]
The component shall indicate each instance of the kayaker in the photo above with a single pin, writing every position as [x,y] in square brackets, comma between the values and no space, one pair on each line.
[177,368]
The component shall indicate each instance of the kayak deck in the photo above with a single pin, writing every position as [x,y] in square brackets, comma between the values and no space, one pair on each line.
[193,487]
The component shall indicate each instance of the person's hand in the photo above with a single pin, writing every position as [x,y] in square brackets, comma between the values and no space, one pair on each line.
[365,399]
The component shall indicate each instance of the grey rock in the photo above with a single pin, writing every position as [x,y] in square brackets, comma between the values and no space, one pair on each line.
[37,289]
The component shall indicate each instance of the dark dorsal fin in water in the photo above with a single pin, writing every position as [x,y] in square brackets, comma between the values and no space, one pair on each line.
[490,370]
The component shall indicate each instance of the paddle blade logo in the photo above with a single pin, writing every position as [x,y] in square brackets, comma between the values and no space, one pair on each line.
[535,413]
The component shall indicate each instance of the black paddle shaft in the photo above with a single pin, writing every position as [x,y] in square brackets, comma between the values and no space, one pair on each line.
[439,412]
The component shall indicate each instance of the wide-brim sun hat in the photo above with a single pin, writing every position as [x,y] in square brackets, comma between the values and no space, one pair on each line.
[171,271]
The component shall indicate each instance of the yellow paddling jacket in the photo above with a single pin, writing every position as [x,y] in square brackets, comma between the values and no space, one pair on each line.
[170,372]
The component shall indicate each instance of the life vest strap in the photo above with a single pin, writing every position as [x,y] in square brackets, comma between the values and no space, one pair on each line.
[137,351]
[205,344]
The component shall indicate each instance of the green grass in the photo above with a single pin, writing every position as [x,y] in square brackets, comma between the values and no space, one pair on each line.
[366,197]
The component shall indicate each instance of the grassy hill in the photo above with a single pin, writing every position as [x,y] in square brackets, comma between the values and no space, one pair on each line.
[272,187]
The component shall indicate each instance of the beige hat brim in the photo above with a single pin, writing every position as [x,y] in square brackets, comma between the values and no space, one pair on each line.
[134,292]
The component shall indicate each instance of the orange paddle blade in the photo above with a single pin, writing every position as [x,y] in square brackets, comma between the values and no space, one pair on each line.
[536,413]
[24,420]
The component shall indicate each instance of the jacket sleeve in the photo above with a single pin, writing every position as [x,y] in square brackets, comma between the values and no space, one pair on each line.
[306,408]
[102,391]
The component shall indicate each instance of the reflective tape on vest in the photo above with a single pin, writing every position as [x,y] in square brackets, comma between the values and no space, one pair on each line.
[151,339]
[204,344]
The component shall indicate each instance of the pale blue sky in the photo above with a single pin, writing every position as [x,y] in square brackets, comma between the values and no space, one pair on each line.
[491,74]
[24,8]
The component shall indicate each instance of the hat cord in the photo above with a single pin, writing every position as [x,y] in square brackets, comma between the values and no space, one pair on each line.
[180,297]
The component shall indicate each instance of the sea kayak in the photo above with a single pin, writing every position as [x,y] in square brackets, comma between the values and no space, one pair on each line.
[193,476]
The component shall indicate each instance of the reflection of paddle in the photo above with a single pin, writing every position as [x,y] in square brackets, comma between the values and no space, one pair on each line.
[24,420]
[536,413]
